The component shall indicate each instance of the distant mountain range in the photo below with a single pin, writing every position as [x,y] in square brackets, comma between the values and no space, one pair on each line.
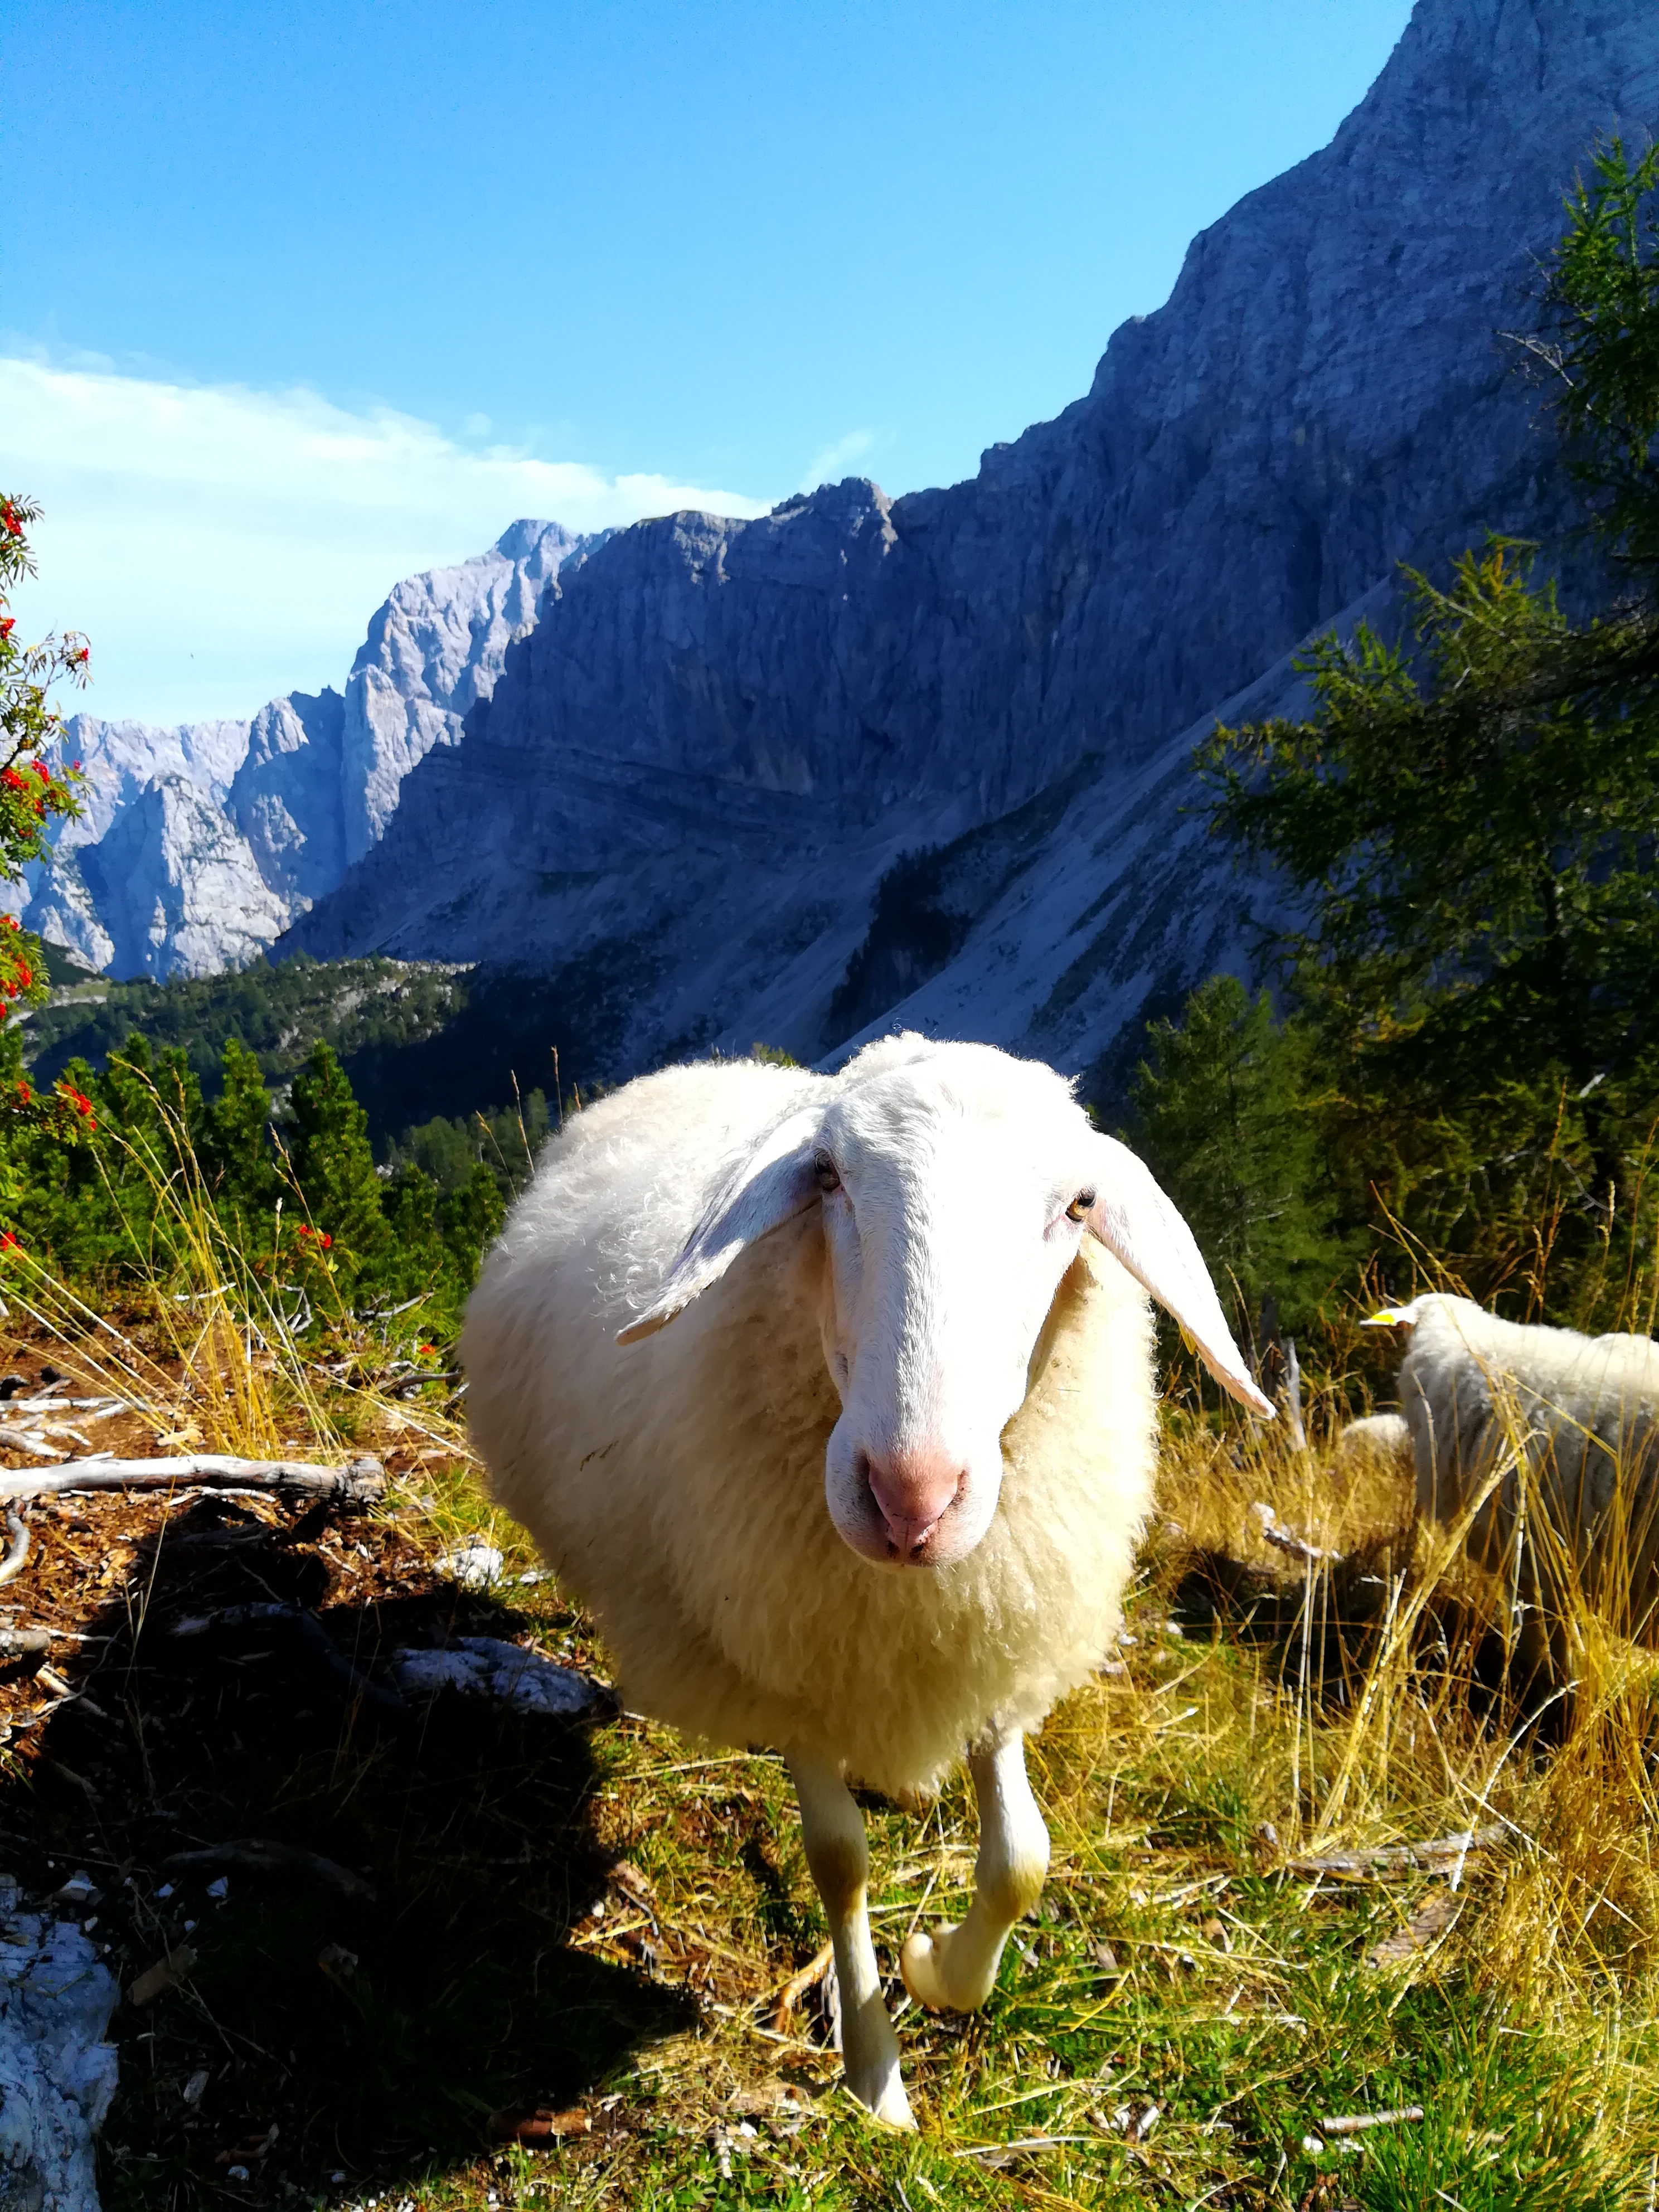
[201,844]
[923,760]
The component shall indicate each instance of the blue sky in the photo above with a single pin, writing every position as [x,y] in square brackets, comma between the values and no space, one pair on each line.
[294,302]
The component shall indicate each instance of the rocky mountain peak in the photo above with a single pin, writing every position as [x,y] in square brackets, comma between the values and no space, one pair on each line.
[269,811]
[927,758]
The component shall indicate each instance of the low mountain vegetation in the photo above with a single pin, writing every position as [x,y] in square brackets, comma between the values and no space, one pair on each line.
[1464,1084]
[277,1010]
[1315,1865]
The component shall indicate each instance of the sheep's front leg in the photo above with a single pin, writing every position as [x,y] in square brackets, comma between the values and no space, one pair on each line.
[956,1970]
[833,1829]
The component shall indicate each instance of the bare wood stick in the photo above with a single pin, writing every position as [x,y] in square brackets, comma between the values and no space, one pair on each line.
[17,1553]
[363,1480]
[797,1986]
[1354,2124]
[65,1405]
[1293,1395]
[1426,1854]
[1274,1532]
[262,1856]
[14,1640]
[26,1440]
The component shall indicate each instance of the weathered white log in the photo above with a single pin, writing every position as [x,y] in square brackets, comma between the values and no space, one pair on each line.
[1426,1855]
[14,1640]
[63,1405]
[359,1482]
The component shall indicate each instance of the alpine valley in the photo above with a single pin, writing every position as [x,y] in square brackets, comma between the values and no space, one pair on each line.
[922,761]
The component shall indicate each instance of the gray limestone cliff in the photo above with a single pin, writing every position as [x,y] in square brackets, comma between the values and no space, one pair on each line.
[691,793]
[200,844]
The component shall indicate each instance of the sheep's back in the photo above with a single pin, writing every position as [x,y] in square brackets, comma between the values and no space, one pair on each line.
[1581,1413]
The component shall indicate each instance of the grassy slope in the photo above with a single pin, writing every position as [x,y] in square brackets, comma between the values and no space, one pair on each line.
[1179,1965]
[601,1918]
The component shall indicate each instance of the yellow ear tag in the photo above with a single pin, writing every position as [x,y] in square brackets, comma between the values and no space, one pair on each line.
[1389,1317]
[1187,1340]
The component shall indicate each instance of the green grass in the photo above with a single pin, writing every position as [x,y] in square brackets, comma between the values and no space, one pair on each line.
[1239,2000]
[600,1918]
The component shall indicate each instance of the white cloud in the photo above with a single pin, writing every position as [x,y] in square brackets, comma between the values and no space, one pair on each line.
[831,464]
[220,545]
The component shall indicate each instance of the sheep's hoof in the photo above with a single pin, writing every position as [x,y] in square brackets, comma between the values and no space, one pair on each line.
[938,1976]
[884,2100]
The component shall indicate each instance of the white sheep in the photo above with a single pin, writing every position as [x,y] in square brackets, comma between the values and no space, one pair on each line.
[875,1499]
[1578,1413]
[1377,1441]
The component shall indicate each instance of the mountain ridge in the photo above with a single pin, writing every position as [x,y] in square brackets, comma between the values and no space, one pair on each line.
[724,736]
[201,842]
[745,779]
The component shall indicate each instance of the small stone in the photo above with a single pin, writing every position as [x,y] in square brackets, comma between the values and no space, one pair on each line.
[474,1567]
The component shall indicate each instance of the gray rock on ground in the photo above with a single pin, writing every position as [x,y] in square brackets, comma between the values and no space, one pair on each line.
[57,2074]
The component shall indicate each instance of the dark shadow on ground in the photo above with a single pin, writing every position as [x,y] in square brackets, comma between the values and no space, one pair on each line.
[374,2025]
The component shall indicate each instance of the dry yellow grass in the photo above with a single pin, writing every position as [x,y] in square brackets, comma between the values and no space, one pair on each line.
[1189,1961]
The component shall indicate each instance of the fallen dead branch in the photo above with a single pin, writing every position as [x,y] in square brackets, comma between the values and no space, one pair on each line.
[1354,2124]
[26,1440]
[1427,1857]
[15,1640]
[51,1405]
[1429,1922]
[1282,1539]
[787,1998]
[259,1855]
[1004,2153]
[359,1483]
[17,1551]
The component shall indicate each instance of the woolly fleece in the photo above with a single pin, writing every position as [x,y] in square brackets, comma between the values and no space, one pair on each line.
[677,1484]
[1582,1411]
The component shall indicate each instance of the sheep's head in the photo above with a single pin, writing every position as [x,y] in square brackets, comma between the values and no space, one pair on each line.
[955,1185]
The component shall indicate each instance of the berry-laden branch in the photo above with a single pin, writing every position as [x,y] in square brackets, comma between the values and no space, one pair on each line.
[36,789]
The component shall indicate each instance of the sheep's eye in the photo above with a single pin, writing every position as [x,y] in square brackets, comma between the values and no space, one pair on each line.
[1078,1208]
[824,1172]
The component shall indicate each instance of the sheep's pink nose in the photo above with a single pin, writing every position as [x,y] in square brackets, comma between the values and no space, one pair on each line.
[913,1492]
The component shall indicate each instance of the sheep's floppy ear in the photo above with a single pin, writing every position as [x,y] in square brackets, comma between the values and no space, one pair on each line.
[775,1182]
[1139,1226]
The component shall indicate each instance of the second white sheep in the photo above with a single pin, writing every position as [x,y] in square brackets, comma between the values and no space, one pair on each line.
[1569,1427]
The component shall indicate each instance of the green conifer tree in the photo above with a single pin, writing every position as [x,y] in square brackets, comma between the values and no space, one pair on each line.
[237,1150]
[333,1166]
[1227,1113]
